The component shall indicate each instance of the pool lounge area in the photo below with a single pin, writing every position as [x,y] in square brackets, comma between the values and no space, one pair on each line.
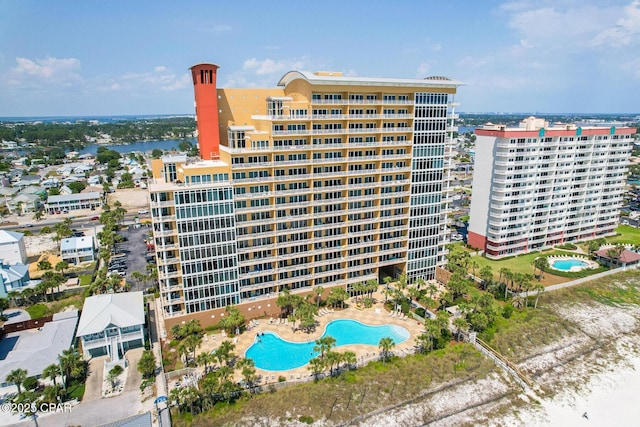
[374,316]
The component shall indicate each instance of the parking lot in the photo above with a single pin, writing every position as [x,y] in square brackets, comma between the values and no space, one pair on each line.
[131,255]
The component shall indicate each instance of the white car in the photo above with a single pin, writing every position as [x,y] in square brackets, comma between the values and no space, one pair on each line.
[143,211]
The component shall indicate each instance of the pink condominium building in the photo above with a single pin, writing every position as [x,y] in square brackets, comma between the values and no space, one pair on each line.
[537,185]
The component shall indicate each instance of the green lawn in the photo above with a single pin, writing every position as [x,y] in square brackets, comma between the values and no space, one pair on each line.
[76,390]
[85,279]
[37,311]
[518,264]
[626,234]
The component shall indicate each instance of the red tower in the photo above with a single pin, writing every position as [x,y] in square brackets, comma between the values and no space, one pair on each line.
[206,103]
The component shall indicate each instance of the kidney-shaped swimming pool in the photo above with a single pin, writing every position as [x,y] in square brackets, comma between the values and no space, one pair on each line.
[272,353]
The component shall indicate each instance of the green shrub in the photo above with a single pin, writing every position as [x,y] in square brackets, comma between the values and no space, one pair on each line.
[568,246]
[507,311]
[307,419]
[281,379]
[405,307]
[30,383]
[421,312]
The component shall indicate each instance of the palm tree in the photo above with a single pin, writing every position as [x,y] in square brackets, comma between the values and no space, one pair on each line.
[71,364]
[175,395]
[324,345]
[542,264]
[461,325]
[193,342]
[62,266]
[203,359]
[508,277]
[14,296]
[17,376]
[371,287]
[224,353]
[349,358]
[385,345]
[539,289]
[387,280]
[318,290]
[474,265]
[248,370]
[432,330]
[614,254]
[316,365]
[486,274]
[52,371]
[51,393]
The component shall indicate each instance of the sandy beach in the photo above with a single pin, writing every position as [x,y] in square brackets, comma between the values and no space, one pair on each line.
[589,377]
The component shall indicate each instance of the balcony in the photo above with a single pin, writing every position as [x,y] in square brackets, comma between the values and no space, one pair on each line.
[251,165]
[162,203]
[170,275]
[165,233]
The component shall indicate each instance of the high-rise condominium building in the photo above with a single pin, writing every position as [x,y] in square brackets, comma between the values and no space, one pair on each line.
[326,180]
[536,186]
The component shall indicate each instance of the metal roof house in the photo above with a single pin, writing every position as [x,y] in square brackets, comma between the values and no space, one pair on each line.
[75,250]
[111,324]
[12,247]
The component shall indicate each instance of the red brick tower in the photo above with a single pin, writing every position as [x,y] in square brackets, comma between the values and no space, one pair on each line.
[206,103]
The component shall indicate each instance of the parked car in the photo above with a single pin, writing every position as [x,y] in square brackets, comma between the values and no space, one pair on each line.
[143,211]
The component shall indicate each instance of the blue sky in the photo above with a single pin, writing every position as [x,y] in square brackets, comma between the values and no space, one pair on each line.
[132,57]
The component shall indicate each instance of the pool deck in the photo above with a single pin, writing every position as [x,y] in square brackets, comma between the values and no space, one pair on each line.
[376,315]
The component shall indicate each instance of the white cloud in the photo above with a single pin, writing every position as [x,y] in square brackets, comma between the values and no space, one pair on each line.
[423,70]
[40,72]
[160,78]
[436,47]
[562,24]
[626,30]
[269,66]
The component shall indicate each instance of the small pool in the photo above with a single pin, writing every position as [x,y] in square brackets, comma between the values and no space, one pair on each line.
[272,353]
[569,264]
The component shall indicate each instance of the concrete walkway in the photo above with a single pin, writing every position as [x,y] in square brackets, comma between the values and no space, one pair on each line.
[93,386]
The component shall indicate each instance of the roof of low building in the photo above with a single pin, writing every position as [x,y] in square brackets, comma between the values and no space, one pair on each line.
[35,349]
[75,243]
[13,273]
[626,256]
[73,197]
[7,236]
[121,310]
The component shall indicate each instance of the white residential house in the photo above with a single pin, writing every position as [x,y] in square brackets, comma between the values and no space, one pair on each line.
[75,250]
[9,145]
[65,191]
[111,324]
[26,202]
[82,168]
[50,183]
[12,248]
[94,180]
